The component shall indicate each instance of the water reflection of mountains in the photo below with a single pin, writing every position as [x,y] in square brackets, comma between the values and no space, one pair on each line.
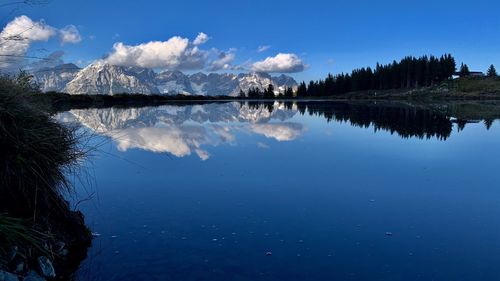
[420,120]
[182,130]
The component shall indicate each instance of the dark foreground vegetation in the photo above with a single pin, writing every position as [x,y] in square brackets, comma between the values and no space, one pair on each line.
[38,231]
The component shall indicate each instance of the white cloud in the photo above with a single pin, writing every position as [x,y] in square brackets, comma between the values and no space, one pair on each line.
[223,61]
[202,38]
[17,37]
[281,63]
[262,145]
[263,48]
[70,34]
[279,131]
[179,141]
[175,53]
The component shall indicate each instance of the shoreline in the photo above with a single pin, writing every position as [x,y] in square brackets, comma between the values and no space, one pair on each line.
[463,89]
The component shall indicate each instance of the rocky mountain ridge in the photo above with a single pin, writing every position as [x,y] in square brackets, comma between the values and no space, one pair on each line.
[104,79]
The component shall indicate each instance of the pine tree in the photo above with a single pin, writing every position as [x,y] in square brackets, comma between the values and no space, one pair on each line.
[269,92]
[302,90]
[242,94]
[410,72]
[492,72]
[464,70]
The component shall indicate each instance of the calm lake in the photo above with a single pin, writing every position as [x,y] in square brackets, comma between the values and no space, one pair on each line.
[292,191]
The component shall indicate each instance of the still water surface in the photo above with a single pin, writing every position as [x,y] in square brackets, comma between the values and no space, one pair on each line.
[289,191]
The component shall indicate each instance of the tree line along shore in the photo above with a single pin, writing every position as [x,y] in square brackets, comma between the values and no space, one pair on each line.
[425,77]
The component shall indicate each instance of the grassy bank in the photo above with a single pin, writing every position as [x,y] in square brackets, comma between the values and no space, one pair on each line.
[37,155]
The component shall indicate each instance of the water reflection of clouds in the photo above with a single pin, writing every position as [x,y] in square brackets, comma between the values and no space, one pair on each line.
[279,131]
[187,130]
[179,141]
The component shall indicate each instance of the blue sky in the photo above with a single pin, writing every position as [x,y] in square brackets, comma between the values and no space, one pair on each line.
[326,36]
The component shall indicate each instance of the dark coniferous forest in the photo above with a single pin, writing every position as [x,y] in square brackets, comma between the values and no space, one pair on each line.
[410,72]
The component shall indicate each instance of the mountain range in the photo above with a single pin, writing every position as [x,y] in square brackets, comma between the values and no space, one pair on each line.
[186,130]
[101,78]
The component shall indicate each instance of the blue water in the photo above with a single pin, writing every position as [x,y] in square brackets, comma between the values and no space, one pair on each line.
[235,192]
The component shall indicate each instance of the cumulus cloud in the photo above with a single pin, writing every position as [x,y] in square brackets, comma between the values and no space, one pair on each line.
[263,48]
[279,131]
[202,38]
[175,53]
[281,63]
[223,61]
[70,34]
[17,37]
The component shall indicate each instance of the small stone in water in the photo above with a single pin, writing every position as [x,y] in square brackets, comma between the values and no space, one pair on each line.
[269,253]
[388,233]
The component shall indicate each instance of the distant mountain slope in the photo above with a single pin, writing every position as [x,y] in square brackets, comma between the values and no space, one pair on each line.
[105,79]
[55,78]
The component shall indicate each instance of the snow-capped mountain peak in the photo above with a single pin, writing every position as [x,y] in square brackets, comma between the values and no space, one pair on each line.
[101,78]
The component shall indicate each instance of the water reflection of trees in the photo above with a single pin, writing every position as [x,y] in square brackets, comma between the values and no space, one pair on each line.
[403,119]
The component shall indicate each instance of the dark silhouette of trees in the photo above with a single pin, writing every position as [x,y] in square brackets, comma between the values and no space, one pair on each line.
[464,70]
[492,72]
[488,123]
[241,94]
[269,92]
[302,90]
[288,93]
[410,72]
[254,93]
[404,120]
